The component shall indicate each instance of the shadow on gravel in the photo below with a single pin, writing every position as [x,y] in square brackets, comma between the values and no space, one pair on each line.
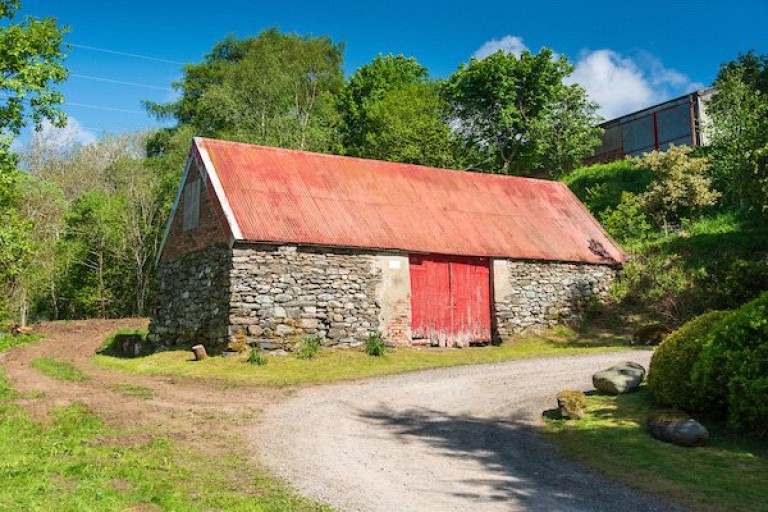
[521,466]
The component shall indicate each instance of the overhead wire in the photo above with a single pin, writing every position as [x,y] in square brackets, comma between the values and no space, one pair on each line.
[121,82]
[126,54]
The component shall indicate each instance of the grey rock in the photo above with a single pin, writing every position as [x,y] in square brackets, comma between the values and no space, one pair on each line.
[676,427]
[622,378]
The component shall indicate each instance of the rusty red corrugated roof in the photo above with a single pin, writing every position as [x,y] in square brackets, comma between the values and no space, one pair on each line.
[280,195]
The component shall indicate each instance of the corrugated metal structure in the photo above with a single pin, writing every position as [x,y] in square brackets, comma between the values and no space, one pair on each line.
[678,121]
[285,196]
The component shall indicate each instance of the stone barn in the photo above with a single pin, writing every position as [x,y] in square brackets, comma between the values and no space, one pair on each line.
[280,244]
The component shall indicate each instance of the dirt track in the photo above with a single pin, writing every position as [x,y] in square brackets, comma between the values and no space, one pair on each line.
[206,415]
[450,439]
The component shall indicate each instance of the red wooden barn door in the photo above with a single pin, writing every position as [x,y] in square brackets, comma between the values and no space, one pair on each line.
[450,298]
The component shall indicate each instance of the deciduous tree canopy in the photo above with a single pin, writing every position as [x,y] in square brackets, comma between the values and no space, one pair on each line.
[518,113]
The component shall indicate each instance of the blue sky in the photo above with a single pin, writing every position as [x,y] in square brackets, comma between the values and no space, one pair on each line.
[628,54]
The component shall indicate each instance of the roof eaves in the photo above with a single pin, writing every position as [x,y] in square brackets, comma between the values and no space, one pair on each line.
[210,170]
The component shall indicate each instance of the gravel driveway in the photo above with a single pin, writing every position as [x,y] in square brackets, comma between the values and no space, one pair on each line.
[442,440]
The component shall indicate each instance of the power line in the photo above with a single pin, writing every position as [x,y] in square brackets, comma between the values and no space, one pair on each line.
[101,107]
[126,54]
[122,82]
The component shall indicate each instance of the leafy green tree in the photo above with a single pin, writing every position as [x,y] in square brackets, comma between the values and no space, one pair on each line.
[519,115]
[739,132]
[274,89]
[30,67]
[392,111]
[407,125]
[681,185]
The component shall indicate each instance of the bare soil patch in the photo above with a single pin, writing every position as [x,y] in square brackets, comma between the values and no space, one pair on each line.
[206,415]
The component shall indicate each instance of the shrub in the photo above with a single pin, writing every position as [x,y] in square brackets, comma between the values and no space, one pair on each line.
[256,357]
[374,345]
[669,375]
[627,221]
[732,370]
[681,185]
[308,347]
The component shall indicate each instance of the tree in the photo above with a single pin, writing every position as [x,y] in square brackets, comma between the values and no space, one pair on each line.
[739,132]
[406,125]
[392,111]
[680,187]
[519,115]
[30,66]
[273,89]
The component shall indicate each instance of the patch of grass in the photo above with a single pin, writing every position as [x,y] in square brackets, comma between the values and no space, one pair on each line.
[729,474]
[133,390]
[600,186]
[56,369]
[7,341]
[76,463]
[343,364]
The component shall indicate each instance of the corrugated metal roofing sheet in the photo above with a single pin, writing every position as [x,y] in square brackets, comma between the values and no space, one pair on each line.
[279,195]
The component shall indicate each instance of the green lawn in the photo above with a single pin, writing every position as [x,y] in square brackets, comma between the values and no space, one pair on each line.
[345,364]
[730,474]
[75,462]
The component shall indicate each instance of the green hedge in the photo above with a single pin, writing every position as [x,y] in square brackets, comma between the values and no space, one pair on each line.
[732,370]
[669,376]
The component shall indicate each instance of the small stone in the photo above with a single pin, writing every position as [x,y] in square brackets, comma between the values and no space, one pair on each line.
[284,330]
[571,404]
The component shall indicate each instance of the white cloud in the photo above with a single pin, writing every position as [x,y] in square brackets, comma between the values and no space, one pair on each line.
[619,84]
[509,44]
[71,135]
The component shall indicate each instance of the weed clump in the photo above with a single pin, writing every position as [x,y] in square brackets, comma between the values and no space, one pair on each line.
[374,345]
[256,357]
[309,347]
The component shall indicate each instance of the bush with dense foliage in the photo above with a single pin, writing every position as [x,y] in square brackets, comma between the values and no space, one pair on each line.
[627,222]
[732,370]
[669,375]
[681,186]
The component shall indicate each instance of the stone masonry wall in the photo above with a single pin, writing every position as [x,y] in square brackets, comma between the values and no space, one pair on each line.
[541,294]
[282,293]
[192,298]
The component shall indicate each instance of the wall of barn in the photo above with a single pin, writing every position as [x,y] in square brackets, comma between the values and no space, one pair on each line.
[530,294]
[280,294]
[192,298]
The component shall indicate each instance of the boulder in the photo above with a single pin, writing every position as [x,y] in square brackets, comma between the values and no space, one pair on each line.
[571,404]
[676,427]
[622,378]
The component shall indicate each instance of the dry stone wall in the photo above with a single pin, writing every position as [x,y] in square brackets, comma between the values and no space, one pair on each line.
[192,298]
[542,294]
[281,293]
